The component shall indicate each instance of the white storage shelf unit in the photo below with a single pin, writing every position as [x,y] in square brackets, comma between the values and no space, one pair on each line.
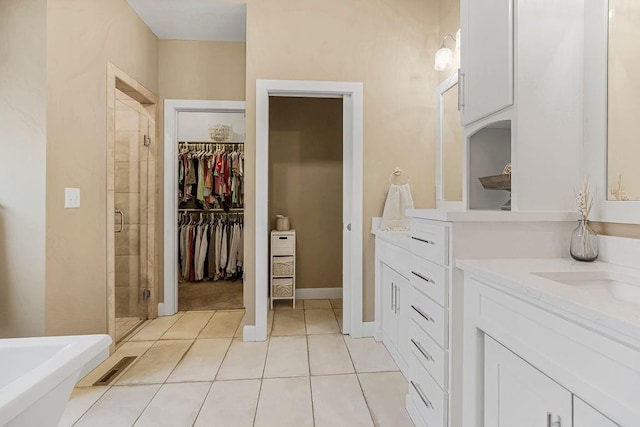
[283,266]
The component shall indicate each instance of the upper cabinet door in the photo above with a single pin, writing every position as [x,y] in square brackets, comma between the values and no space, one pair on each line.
[585,416]
[517,394]
[487,57]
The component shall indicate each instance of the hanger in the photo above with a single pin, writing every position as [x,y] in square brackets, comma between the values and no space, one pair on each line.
[397,173]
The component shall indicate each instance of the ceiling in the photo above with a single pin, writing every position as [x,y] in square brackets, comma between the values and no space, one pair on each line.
[193,19]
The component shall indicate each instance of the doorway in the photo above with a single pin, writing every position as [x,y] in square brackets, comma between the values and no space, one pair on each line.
[352,220]
[131,197]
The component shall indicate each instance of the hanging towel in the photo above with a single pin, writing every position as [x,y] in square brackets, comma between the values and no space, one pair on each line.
[398,201]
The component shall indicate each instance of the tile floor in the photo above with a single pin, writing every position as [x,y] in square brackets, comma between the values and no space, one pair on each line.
[193,369]
[124,325]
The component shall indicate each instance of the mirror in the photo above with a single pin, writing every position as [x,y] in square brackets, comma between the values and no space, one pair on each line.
[449,145]
[623,142]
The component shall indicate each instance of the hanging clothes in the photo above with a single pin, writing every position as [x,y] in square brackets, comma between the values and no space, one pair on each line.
[210,248]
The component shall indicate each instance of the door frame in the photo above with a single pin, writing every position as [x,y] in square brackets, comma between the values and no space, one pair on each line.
[352,95]
[171,109]
[118,79]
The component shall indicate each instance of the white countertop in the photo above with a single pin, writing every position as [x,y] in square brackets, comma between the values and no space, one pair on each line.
[398,238]
[491,215]
[593,305]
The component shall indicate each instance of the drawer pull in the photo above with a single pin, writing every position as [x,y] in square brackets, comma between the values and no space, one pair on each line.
[283,238]
[423,314]
[426,279]
[422,350]
[424,399]
[429,242]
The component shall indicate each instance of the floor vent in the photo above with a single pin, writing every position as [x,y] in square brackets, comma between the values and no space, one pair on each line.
[115,371]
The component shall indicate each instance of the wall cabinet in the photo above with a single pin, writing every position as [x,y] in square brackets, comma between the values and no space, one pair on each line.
[487,58]
[517,394]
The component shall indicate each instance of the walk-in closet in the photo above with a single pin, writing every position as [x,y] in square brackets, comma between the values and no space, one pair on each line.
[210,220]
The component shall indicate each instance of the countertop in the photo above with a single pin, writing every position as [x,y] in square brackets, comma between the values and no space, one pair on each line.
[397,238]
[597,306]
[491,215]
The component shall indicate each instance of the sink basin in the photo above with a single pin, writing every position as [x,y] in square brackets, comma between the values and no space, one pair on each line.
[600,283]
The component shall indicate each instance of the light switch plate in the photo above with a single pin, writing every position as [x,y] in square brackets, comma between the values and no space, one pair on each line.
[71,197]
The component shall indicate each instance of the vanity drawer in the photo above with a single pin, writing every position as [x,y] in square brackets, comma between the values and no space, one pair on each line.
[283,244]
[430,317]
[430,279]
[430,241]
[430,356]
[427,397]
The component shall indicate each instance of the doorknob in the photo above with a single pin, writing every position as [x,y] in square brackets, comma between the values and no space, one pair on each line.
[348,227]
[121,221]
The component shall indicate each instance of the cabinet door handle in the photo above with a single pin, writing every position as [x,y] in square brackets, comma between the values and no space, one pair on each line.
[551,423]
[119,212]
[426,279]
[423,314]
[429,242]
[393,297]
[424,399]
[397,299]
[422,350]
[460,89]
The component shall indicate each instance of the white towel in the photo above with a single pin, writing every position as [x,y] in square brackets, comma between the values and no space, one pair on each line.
[398,201]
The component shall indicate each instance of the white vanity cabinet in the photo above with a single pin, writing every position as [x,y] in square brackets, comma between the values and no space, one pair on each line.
[486,75]
[517,394]
[395,287]
[585,416]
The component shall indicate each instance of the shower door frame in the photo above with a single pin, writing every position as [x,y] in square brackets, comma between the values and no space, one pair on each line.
[118,79]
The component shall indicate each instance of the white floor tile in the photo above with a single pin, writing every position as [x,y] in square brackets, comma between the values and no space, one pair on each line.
[80,401]
[338,401]
[317,303]
[288,305]
[321,322]
[385,394]
[230,403]
[270,316]
[156,364]
[288,322]
[202,361]
[287,357]
[338,313]
[285,402]
[188,326]
[126,349]
[244,360]
[223,324]
[241,326]
[156,328]
[328,355]
[370,356]
[174,405]
[120,406]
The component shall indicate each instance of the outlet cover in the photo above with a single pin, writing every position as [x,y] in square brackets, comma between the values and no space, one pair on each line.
[71,197]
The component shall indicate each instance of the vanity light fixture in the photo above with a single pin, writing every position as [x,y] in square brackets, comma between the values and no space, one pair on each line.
[444,55]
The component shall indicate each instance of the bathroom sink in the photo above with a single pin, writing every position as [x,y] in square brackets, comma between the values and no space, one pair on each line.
[600,283]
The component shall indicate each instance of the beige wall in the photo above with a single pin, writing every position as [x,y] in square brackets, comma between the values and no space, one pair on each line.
[389,46]
[81,38]
[212,71]
[305,183]
[22,166]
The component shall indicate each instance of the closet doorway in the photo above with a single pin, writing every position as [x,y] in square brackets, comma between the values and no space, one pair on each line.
[131,197]
[203,206]
[351,233]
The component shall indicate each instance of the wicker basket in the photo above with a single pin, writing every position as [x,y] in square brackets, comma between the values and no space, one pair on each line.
[282,287]
[221,133]
[283,266]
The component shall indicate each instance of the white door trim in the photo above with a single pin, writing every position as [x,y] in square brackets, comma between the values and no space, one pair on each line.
[171,109]
[352,95]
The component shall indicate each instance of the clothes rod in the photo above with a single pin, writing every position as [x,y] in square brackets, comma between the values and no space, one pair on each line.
[231,210]
[211,142]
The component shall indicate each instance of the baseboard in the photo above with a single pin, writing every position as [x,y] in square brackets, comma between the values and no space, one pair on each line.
[368,329]
[161,309]
[249,333]
[319,293]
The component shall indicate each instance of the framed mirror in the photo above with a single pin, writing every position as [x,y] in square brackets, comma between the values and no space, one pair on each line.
[611,106]
[449,146]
